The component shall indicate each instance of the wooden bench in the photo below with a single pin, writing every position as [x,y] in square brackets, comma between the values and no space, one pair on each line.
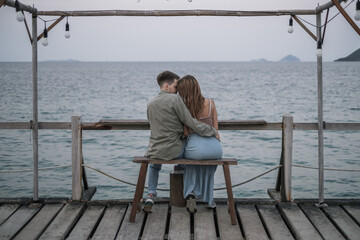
[225,162]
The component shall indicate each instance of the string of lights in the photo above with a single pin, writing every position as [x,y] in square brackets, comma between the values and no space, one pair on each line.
[357,15]
[20,17]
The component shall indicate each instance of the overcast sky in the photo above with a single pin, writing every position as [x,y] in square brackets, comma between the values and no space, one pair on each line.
[177,38]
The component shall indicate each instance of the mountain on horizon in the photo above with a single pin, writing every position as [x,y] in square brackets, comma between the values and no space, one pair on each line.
[353,57]
[290,58]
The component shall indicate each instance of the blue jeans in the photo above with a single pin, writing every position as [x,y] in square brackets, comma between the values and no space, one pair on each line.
[153,176]
[199,179]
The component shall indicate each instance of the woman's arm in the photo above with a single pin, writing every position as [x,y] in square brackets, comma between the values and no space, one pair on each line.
[186,131]
[215,118]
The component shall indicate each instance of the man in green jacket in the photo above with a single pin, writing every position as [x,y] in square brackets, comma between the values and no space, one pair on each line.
[167,113]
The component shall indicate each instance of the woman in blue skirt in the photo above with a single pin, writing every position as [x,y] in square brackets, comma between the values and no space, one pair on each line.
[199,180]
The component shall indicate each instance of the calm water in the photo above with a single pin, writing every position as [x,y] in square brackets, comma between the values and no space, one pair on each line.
[121,91]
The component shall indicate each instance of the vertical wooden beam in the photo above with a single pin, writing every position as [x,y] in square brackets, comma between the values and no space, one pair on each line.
[320,114]
[35,125]
[139,191]
[228,184]
[76,157]
[287,141]
[177,189]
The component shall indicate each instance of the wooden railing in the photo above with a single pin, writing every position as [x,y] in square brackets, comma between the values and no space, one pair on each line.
[287,126]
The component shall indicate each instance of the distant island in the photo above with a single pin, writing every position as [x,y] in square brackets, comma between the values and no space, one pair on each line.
[290,58]
[67,60]
[353,57]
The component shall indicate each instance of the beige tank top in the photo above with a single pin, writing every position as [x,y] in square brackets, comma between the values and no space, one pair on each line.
[208,120]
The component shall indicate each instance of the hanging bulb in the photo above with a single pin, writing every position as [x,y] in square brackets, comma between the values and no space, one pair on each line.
[67,29]
[357,13]
[319,49]
[290,29]
[45,40]
[19,15]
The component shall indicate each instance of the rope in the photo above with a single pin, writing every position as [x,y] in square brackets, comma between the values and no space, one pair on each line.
[161,189]
[30,170]
[329,19]
[329,169]
[251,179]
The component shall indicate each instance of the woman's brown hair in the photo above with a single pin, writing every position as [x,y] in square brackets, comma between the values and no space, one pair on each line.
[189,89]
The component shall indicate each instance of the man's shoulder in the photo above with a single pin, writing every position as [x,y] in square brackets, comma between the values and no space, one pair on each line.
[168,97]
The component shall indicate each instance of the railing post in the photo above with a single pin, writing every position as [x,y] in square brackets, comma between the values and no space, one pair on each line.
[287,142]
[76,158]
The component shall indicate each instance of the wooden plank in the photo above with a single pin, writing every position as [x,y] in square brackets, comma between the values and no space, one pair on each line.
[230,161]
[110,223]
[353,211]
[39,223]
[226,229]
[345,224]
[172,13]
[156,222]
[16,222]
[130,230]
[179,224]
[6,210]
[76,158]
[297,222]
[273,222]
[63,222]
[250,220]
[321,222]
[85,226]
[204,225]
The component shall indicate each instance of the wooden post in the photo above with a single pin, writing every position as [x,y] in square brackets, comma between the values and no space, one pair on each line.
[320,114]
[35,125]
[176,189]
[231,203]
[287,141]
[76,158]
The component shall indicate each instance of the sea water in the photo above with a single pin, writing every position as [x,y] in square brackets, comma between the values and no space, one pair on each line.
[121,90]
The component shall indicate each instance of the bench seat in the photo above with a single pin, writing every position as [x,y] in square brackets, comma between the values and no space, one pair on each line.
[145,161]
[230,161]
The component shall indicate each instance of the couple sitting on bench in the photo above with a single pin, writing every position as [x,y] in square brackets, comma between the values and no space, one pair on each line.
[173,116]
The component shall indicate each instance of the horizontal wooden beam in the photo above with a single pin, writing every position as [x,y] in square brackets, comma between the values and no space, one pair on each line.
[175,13]
[23,7]
[327,6]
[144,125]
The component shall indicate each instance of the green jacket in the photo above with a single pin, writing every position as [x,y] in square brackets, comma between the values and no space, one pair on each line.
[167,113]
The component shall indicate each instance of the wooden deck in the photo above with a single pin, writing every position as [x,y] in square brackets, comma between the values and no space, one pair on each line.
[256,218]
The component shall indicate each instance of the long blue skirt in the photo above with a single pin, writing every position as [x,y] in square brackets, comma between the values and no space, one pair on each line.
[199,179]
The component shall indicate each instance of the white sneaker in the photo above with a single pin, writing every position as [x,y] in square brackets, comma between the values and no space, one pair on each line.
[149,203]
[212,205]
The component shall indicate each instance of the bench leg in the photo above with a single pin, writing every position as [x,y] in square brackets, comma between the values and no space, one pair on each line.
[139,190]
[229,193]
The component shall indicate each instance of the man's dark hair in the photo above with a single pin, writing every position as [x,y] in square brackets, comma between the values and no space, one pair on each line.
[166,77]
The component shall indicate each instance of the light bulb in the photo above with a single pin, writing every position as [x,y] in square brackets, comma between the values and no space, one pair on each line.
[45,41]
[290,28]
[319,49]
[67,30]
[20,16]
[357,13]
[67,34]
[319,52]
